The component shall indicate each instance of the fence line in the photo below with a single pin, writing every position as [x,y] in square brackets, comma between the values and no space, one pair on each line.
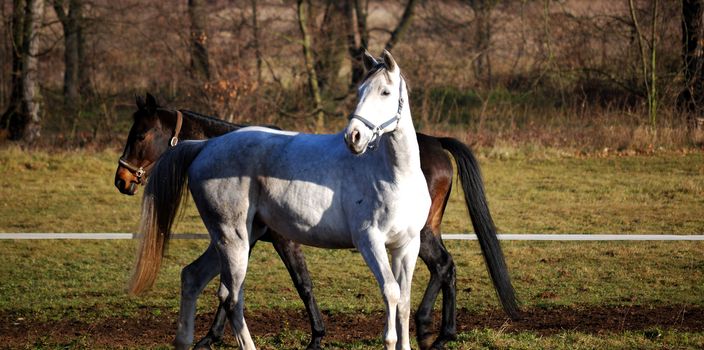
[449,236]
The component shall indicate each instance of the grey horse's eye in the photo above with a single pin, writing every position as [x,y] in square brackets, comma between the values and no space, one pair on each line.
[385,92]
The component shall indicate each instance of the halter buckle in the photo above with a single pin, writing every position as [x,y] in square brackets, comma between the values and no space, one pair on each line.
[137,172]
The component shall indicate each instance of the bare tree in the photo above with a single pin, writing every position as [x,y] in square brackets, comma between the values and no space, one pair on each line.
[5,51]
[357,37]
[303,10]
[330,45]
[22,117]
[692,96]
[482,28]
[74,71]
[648,60]
[255,38]
[200,67]
[402,26]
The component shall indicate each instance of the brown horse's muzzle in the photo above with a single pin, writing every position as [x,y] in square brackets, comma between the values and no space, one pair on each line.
[125,181]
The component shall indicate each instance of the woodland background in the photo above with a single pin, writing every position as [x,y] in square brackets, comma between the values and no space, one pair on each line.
[589,76]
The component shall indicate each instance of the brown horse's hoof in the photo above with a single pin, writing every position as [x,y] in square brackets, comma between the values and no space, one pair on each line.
[205,343]
[426,341]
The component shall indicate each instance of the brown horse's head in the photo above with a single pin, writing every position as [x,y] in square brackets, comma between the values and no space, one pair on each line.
[147,140]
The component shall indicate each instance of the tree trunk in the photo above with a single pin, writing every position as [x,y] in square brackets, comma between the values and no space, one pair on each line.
[692,96]
[357,38]
[84,85]
[6,52]
[403,25]
[22,117]
[482,63]
[31,97]
[70,21]
[255,32]
[310,66]
[200,68]
[648,69]
[330,46]
[12,112]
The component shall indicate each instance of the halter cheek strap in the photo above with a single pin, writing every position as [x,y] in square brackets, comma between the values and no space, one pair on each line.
[378,130]
[138,172]
[142,171]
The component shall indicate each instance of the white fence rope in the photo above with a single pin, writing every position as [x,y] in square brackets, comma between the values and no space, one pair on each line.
[449,236]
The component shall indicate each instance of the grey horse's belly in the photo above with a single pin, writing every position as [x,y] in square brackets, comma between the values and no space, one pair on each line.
[306,213]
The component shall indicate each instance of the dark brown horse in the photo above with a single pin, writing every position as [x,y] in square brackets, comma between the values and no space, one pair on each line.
[155,129]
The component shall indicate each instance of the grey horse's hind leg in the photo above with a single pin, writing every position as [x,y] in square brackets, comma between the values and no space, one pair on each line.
[233,250]
[295,262]
[194,278]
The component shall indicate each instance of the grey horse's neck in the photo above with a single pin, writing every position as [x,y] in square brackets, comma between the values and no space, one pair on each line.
[401,146]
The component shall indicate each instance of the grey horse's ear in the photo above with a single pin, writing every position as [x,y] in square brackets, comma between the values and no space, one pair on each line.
[389,61]
[368,59]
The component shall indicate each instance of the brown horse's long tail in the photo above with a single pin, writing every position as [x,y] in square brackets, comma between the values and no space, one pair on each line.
[483,224]
[162,197]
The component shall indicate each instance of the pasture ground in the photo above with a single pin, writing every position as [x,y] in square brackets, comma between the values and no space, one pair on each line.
[645,295]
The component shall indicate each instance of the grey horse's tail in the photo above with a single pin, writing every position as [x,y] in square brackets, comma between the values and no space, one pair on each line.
[484,228]
[162,198]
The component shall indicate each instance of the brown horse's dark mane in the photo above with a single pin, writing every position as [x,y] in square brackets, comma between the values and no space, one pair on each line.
[211,119]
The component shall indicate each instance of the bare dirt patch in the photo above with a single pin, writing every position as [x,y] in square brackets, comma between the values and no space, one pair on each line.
[148,330]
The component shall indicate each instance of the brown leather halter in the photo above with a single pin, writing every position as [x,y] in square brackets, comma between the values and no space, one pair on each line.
[139,172]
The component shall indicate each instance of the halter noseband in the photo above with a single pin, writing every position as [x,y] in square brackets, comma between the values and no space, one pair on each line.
[138,172]
[377,130]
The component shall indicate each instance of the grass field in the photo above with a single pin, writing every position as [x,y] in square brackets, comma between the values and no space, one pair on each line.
[79,283]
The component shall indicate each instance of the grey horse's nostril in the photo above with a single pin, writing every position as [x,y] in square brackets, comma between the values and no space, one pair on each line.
[355,136]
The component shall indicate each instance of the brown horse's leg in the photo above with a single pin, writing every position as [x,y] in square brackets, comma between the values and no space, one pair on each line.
[292,256]
[442,277]
[438,173]
[216,331]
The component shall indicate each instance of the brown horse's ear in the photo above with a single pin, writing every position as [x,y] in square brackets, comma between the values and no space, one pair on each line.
[389,61]
[368,59]
[151,104]
[139,101]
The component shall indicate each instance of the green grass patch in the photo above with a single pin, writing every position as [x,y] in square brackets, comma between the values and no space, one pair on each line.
[533,192]
[528,190]
[491,339]
[86,279]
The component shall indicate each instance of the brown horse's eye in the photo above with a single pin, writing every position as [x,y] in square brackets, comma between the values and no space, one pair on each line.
[140,137]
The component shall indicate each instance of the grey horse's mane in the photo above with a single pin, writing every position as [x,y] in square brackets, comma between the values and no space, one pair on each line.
[381,68]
